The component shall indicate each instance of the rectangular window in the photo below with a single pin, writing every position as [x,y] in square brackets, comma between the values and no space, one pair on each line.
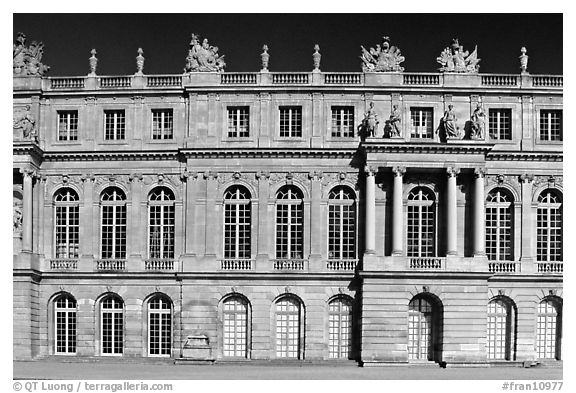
[421,123]
[67,125]
[500,124]
[114,125]
[343,121]
[162,124]
[238,122]
[550,125]
[291,121]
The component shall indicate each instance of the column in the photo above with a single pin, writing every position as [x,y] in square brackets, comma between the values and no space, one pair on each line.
[316,227]
[138,241]
[478,216]
[370,210]
[451,215]
[211,219]
[263,219]
[528,222]
[87,240]
[397,212]
[27,211]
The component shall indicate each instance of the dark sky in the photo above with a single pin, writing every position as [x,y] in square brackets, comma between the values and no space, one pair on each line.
[68,39]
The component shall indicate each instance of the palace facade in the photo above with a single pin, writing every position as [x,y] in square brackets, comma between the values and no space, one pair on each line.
[380,216]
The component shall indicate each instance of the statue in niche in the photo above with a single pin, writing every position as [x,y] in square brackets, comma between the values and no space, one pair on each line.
[393,124]
[384,58]
[27,60]
[455,59]
[477,122]
[369,124]
[447,128]
[203,57]
[25,124]
[17,227]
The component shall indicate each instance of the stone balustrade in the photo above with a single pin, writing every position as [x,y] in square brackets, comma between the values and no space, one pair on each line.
[499,80]
[237,264]
[290,264]
[115,82]
[67,83]
[341,264]
[158,264]
[63,264]
[503,267]
[421,79]
[164,81]
[550,267]
[290,78]
[238,78]
[110,264]
[427,263]
[342,79]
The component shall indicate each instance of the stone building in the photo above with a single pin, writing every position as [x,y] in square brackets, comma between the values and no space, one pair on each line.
[379,216]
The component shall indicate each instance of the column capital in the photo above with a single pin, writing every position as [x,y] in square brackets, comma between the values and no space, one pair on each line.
[135,177]
[315,175]
[480,172]
[210,175]
[399,171]
[370,170]
[27,172]
[526,178]
[186,174]
[262,175]
[87,177]
[452,171]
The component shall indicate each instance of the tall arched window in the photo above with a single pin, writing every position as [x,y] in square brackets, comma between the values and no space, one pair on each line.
[549,227]
[339,328]
[237,223]
[421,223]
[159,326]
[161,220]
[113,224]
[112,325]
[235,333]
[548,329]
[500,329]
[499,225]
[341,224]
[289,223]
[420,329]
[66,223]
[288,314]
[64,325]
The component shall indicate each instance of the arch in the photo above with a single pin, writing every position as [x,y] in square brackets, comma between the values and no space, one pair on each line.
[158,311]
[289,192]
[289,223]
[499,214]
[290,183]
[100,188]
[426,186]
[235,338]
[161,227]
[110,324]
[249,189]
[62,333]
[505,187]
[340,310]
[288,326]
[549,226]
[112,194]
[501,328]
[340,183]
[57,188]
[147,189]
[161,194]
[553,187]
[425,328]
[342,223]
[113,223]
[237,191]
[237,223]
[549,315]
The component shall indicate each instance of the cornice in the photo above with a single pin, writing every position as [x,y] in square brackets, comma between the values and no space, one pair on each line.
[269,153]
[21,148]
[426,148]
[156,155]
[525,156]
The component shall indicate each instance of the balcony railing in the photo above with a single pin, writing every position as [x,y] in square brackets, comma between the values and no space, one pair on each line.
[290,264]
[164,81]
[67,83]
[63,264]
[547,81]
[503,267]
[499,80]
[427,263]
[159,264]
[236,264]
[342,79]
[110,264]
[238,79]
[550,267]
[421,79]
[114,82]
[290,79]
[341,264]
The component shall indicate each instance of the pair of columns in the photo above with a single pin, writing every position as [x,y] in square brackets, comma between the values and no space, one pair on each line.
[398,211]
[27,204]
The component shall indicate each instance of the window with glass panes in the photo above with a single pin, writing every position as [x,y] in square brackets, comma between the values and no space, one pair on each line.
[159,326]
[343,121]
[235,313]
[113,223]
[66,223]
[500,124]
[499,225]
[161,220]
[420,325]
[339,328]
[287,328]
[289,223]
[341,224]
[549,227]
[548,330]
[65,321]
[290,121]
[112,325]
[421,223]
[238,122]
[114,125]
[67,125]
[499,332]
[162,124]
[237,223]
[421,123]
[550,125]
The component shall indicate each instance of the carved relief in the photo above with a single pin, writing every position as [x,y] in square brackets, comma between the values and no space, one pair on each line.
[24,124]
[203,57]
[454,59]
[384,58]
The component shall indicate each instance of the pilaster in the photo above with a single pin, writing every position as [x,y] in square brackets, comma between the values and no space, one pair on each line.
[398,212]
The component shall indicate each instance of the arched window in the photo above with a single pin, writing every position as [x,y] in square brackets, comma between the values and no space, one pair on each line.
[499,225]
[548,329]
[339,328]
[289,223]
[113,224]
[64,325]
[112,325]
[235,333]
[161,220]
[159,326]
[288,314]
[500,327]
[341,224]
[237,223]
[421,223]
[420,329]
[66,223]
[549,227]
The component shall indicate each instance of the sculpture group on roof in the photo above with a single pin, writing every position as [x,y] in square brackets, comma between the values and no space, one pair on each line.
[203,57]
[384,58]
[28,59]
[454,59]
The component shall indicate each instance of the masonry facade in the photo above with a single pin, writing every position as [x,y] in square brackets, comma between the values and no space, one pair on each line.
[244,210]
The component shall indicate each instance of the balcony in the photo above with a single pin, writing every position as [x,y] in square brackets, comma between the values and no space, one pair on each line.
[158,264]
[63,264]
[236,264]
[550,267]
[290,264]
[110,265]
[341,264]
[503,267]
[426,263]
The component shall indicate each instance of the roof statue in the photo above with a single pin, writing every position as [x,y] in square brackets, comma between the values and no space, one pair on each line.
[454,59]
[384,58]
[203,57]
[28,59]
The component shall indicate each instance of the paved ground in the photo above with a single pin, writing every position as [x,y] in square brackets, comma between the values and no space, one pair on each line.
[46,369]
